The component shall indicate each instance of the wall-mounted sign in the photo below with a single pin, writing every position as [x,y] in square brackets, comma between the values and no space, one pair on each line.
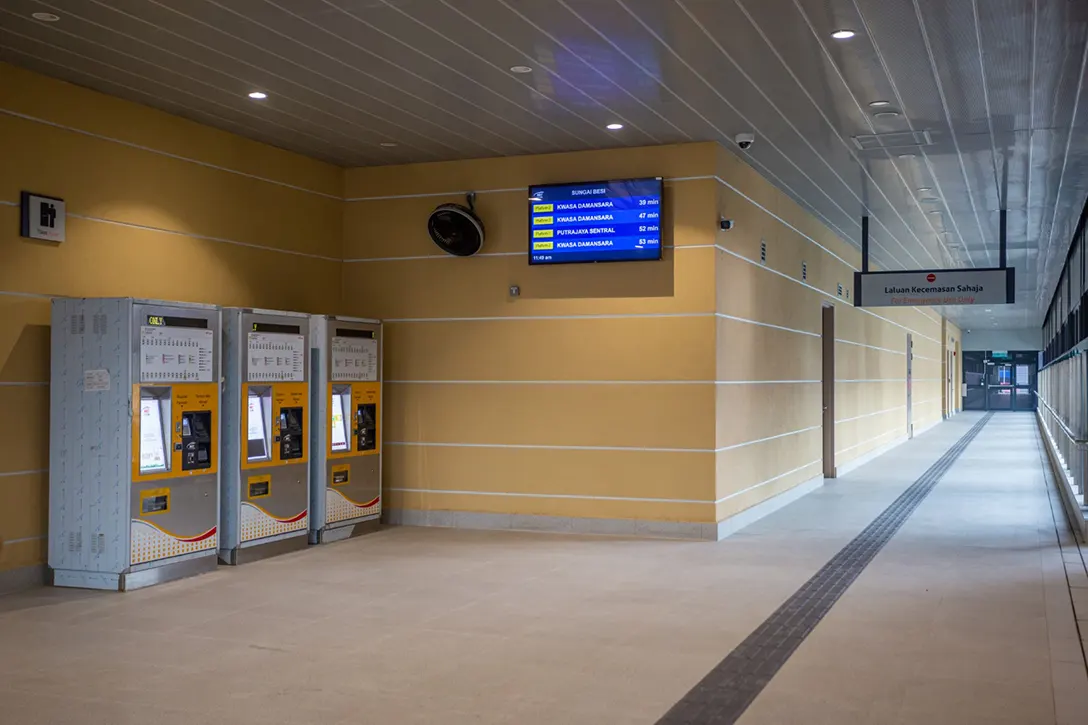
[41,217]
[935,287]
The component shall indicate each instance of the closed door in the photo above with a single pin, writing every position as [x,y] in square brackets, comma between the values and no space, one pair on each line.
[910,392]
[829,391]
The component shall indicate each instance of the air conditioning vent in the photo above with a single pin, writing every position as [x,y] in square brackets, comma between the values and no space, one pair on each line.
[896,140]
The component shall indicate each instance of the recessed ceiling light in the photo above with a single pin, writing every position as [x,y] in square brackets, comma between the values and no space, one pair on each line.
[520,69]
[886,114]
[843,34]
[989,310]
[614,126]
[906,156]
[924,189]
[46,17]
[935,211]
[387,144]
[258,95]
[879,104]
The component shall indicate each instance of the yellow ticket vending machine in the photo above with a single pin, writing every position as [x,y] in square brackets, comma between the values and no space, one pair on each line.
[346,458]
[266,422]
[133,442]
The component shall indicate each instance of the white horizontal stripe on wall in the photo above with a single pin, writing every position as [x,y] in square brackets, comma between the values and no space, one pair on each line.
[438,256]
[510,190]
[630,449]
[37,295]
[768,438]
[870,440]
[825,293]
[764,483]
[548,495]
[522,318]
[167,154]
[872,415]
[8,474]
[602,316]
[191,235]
[540,446]
[9,542]
[871,347]
[598,382]
[766,324]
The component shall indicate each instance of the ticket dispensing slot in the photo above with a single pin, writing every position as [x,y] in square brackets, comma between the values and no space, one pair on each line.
[291,437]
[196,440]
[366,427]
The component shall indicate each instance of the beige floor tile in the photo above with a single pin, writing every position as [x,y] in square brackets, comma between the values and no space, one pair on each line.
[954,621]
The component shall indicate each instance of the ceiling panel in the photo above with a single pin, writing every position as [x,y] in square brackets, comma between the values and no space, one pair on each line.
[996,84]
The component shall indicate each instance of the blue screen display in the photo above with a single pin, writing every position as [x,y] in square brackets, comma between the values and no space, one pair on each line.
[602,221]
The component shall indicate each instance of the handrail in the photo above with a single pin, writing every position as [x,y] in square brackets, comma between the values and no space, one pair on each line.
[1065,429]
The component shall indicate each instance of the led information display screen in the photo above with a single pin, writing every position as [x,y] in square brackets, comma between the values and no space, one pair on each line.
[601,221]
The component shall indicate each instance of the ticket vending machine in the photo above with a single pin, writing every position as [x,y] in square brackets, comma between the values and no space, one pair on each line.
[346,458]
[265,498]
[133,442]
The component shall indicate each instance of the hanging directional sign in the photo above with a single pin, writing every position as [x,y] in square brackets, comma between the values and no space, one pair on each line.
[935,287]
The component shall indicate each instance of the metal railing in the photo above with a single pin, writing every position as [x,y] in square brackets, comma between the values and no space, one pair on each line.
[1063,414]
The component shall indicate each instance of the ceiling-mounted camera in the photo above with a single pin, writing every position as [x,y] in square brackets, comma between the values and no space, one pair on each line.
[745,140]
[456,229]
[725,224]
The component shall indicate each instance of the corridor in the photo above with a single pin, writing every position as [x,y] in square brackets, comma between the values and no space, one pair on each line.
[964,616]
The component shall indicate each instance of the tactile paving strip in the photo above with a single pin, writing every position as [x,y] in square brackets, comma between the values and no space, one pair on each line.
[724,694]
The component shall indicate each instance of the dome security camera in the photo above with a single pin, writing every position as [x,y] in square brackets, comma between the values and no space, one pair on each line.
[745,140]
[456,229]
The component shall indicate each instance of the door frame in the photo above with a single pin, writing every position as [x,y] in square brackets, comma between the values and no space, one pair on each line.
[910,386]
[828,388]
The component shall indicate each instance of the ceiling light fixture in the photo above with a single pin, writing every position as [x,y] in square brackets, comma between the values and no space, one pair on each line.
[387,144]
[924,189]
[906,156]
[614,126]
[935,211]
[886,114]
[258,95]
[520,69]
[46,17]
[879,104]
[843,34]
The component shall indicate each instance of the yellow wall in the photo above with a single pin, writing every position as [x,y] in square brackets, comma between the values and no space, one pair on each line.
[157,207]
[695,382]
[591,394]
[680,391]
[769,346]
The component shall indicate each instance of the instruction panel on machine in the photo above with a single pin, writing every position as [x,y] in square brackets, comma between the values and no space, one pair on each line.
[276,357]
[176,354]
[354,358]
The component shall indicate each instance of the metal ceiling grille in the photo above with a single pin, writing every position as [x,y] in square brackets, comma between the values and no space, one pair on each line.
[894,140]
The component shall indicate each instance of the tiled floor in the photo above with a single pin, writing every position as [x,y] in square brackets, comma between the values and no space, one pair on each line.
[965,617]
